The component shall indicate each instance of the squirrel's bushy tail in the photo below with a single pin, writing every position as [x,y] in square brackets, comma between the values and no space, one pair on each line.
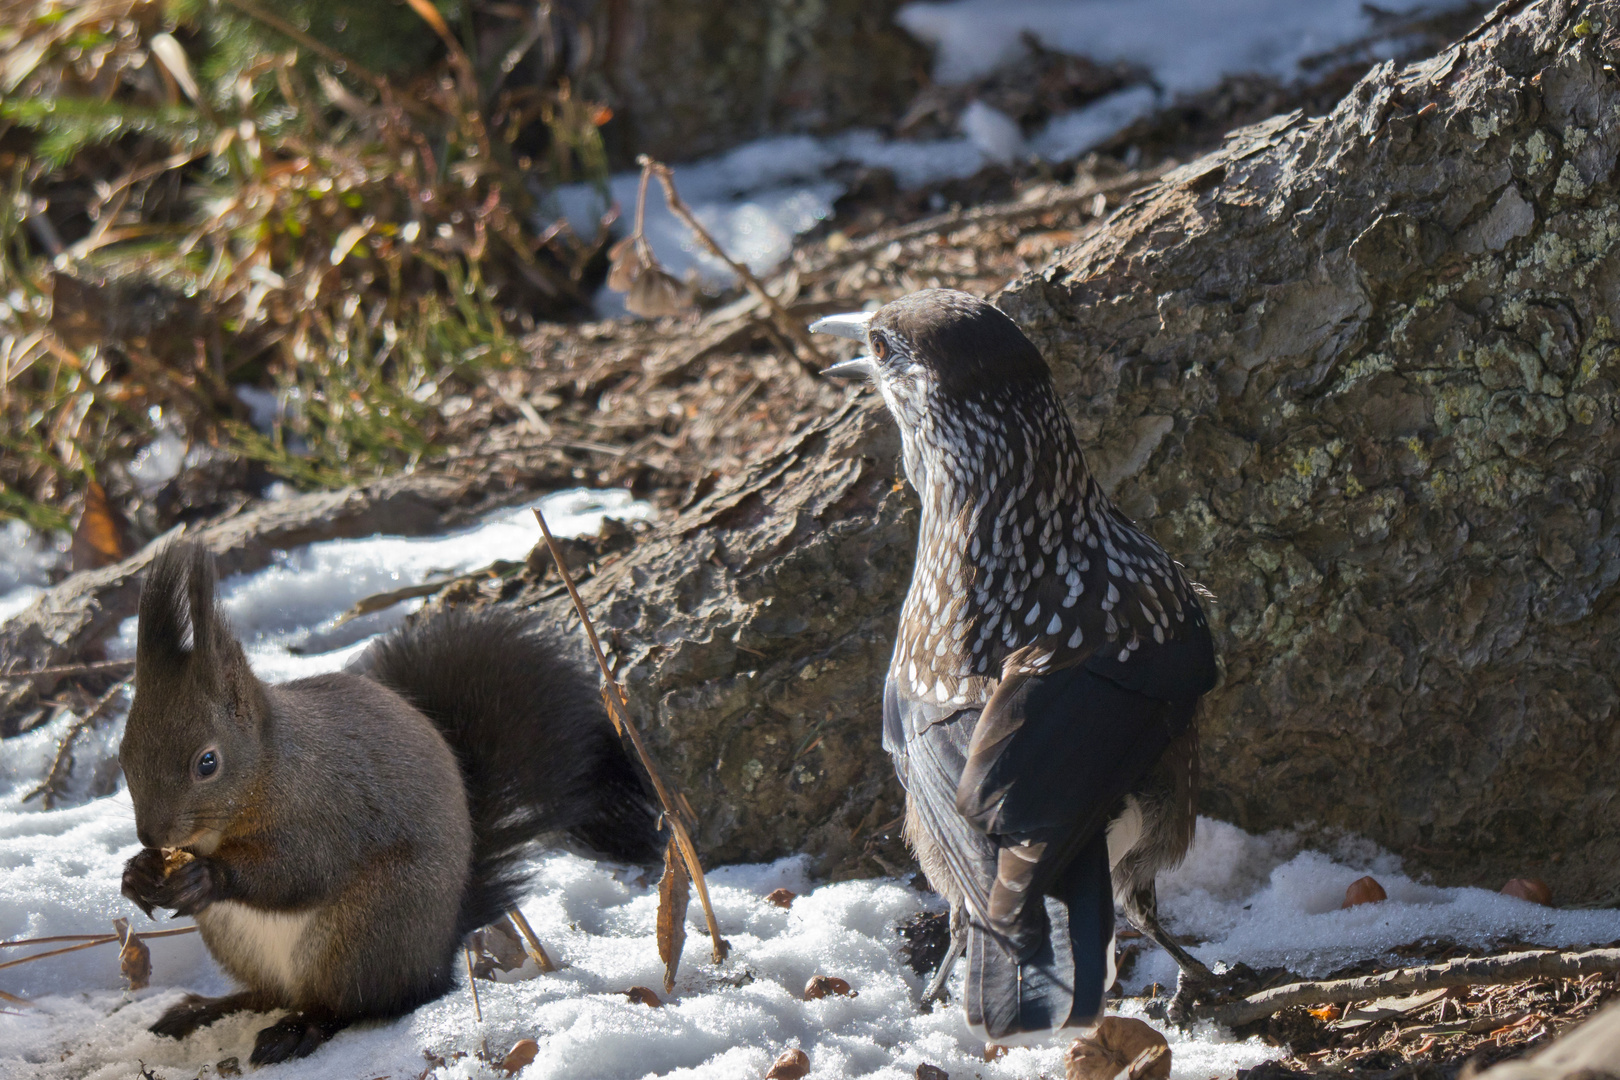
[538,754]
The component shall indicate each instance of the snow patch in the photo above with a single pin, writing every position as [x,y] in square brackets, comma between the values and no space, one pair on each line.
[1186,45]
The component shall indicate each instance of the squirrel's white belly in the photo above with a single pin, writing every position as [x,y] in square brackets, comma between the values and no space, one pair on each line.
[266,943]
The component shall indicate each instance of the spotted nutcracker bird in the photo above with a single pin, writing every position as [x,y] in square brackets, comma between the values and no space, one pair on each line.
[1040,702]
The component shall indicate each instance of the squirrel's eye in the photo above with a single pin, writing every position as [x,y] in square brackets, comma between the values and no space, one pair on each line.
[880,347]
[207,764]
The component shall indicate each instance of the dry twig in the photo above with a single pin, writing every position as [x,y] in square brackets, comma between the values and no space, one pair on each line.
[531,942]
[785,324]
[62,764]
[619,709]
[86,941]
[1464,971]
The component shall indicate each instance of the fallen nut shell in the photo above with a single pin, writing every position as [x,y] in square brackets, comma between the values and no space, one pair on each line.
[926,1071]
[782,897]
[640,995]
[791,1065]
[1363,890]
[820,986]
[522,1052]
[1119,1045]
[1532,889]
[993,1051]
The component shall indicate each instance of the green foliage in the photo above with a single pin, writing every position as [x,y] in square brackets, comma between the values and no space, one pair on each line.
[366,250]
[70,125]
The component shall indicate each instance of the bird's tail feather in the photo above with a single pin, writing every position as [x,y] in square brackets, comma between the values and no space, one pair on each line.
[1061,981]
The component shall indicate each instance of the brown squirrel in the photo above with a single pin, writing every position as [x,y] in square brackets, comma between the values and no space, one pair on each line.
[345,832]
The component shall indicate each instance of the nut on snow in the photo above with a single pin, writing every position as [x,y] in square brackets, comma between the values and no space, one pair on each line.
[1363,890]
[790,1066]
[820,986]
[519,1056]
[1121,1046]
[1532,889]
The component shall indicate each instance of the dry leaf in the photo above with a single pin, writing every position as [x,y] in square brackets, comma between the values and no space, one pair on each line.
[1326,1012]
[522,1052]
[1532,889]
[102,536]
[1120,1045]
[674,892]
[134,959]
[625,264]
[782,897]
[820,986]
[640,995]
[926,1071]
[497,948]
[1363,890]
[791,1065]
[656,293]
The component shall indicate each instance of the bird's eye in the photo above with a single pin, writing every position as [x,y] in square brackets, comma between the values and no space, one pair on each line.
[880,347]
[206,765]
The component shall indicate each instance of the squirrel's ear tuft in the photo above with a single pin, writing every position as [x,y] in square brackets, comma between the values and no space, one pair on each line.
[179,621]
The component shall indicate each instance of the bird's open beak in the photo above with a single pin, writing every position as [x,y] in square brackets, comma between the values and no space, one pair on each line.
[851,325]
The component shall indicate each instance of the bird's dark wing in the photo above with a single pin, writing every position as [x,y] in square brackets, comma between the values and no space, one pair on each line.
[929,745]
[1050,758]
[1181,669]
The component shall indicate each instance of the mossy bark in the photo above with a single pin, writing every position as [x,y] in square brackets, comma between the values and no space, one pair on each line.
[1359,372]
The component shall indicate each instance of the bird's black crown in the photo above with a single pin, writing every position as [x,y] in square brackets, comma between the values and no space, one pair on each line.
[967,343]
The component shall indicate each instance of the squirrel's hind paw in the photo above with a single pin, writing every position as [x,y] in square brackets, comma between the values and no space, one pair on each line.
[294,1036]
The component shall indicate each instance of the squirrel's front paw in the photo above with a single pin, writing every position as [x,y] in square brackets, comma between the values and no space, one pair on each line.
[143,879]
[151,881]
[192,887]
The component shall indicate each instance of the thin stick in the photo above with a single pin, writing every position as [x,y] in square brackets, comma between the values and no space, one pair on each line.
[478,1010]
[784,322]
[619,710]
[85,941]
[1464,971]
[62,764]
[532,942]
[68,669]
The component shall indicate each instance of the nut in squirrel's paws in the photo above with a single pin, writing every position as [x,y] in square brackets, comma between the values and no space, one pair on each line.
[168,878]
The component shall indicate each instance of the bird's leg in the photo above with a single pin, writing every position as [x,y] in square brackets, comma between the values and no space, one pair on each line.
[1143,910]
[936,986]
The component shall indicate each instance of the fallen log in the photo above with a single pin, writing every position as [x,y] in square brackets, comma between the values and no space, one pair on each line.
[1463,971]
[64,628]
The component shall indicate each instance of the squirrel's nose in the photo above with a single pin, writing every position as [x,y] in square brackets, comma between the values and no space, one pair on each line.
[145,837]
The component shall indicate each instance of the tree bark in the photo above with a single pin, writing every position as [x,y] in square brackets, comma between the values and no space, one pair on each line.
[1359,373]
